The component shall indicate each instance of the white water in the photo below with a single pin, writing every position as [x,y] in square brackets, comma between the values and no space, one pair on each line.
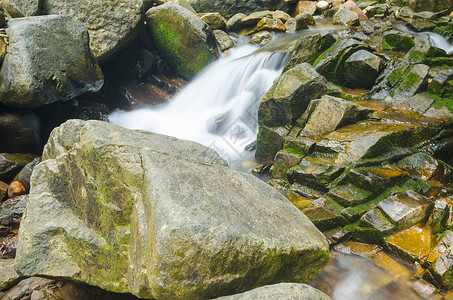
[432,38]
[218,108]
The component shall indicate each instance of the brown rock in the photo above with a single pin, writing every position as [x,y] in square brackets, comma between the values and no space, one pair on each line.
[16,189]
[281,15]
[271,25]
[3,190]
[352,6]
[3,48]
[308,7]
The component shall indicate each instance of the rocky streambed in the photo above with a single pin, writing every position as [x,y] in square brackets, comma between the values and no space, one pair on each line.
[356,135]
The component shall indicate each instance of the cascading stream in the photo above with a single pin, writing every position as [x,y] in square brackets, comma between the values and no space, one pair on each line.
[219,107]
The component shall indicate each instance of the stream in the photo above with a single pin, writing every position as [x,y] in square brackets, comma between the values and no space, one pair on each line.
[218,109]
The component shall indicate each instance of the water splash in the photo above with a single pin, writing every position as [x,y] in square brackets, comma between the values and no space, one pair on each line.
[219,107]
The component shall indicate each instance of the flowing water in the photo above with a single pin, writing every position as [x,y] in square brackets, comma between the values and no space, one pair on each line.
[218,108]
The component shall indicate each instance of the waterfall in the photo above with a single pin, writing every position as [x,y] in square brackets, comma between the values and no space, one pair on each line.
[218,108]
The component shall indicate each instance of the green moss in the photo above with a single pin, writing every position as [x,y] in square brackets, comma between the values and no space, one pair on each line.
[268,143]
[440,102]
[296,151]
[445,31]
[186,55]
[398,42]
[324,54]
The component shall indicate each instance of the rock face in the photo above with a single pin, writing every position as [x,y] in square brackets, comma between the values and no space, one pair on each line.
[137,212]
[48,60]
[112,24]
[280,291]
[231,7]
[181,37]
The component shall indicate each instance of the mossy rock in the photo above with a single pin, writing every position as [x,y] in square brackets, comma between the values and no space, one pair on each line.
[398,41]
[186,42]
[141,213]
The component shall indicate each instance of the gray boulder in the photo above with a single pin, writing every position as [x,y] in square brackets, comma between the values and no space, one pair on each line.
[112,24]
[22,8]
[231,7]
[362,69]
[186,42]
[280,291]
[48,60]
[141,213]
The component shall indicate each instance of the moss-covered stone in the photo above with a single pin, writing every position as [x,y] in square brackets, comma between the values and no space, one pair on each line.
[398,41]
[140,213]
[181,37]
[269,141]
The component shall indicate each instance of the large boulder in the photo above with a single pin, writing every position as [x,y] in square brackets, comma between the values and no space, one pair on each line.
[185,41]
[280,291]
[48,60]
[141,213]
[112,24]
[231,7]
[362,69]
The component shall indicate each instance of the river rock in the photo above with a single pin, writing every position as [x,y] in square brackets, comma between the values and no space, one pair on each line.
[422,165]
[15,189]
[3,190]
[141,213]
[439,272]
[412,82]
[309,47]
[331,63]
[280,291]
[346,17]
[12,163]
[40,67]
[297,23]
[305,7]
[281,15]
[352,6]
[215,20]
[362,69]
[235,22]
[432,5]
[223,40]
[112,24]
[184,41]
[329,113]
[260,38]
[371,140]
[24,175]
[322,6]
[8,276]
[398,41]
[255,17]
[182,3]
[271,25]
[290,95]
[11,211]
[230,7]
[19,131]
[406,209]
[22,8]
